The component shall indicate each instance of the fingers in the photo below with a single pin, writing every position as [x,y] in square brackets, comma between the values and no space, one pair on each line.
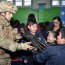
[31,48]
[28,43]
[28,46]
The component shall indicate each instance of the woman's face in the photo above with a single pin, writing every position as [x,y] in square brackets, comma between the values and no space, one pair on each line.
[56,23]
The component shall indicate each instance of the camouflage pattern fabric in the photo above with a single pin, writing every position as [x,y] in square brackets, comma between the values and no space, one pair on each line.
[7,6]
[6,43]
[5,29]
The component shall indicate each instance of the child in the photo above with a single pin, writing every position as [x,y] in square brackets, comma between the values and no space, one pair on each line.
[51,38]
[32,27]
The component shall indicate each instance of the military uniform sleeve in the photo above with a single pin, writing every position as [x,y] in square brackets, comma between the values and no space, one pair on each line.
[10,45]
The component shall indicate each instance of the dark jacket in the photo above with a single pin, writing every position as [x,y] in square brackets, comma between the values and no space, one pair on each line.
[53,55]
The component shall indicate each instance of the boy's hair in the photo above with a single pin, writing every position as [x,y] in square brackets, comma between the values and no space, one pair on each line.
[63,32]
[15,24]
[31,17]
[31,23]
[54,34]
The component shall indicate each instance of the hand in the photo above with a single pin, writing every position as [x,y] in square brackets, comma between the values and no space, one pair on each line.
[34,49]
[30,47]
[27,46]
[25,61]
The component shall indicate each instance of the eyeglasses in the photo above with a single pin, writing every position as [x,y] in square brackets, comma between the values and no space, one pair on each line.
[55,22]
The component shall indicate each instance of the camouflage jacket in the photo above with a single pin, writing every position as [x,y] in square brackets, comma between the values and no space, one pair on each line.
[5,42]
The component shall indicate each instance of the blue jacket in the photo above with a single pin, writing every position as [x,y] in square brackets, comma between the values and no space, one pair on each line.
[53,55]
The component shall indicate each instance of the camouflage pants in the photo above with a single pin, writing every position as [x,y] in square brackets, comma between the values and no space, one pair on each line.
[6,61]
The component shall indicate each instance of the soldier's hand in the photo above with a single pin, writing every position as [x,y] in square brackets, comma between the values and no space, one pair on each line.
[25,46]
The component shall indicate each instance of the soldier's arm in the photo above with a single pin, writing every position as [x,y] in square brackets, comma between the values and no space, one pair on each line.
[11,45]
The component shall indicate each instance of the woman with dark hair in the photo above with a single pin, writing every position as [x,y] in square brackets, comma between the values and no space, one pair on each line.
[57,24]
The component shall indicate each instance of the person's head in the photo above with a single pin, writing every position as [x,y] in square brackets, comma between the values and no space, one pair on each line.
[57,21]
[7,9]
[61,37]
[32,26]
[51,38]
[15,25]
[31,17]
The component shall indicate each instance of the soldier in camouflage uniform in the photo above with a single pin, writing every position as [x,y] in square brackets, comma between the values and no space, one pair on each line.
[6,12]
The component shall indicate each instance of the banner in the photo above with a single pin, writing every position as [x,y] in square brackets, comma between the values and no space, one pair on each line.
[62,15]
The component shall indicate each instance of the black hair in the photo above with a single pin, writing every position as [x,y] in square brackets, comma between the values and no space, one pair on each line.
[31,17]
[62,31]
[59,19]
[47,23]
[15,24]
[22,25]
[31,23]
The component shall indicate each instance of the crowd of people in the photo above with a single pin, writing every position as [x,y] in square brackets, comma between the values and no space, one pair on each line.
[16,48]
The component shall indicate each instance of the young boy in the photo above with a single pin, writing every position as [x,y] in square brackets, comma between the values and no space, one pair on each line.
[32,27]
